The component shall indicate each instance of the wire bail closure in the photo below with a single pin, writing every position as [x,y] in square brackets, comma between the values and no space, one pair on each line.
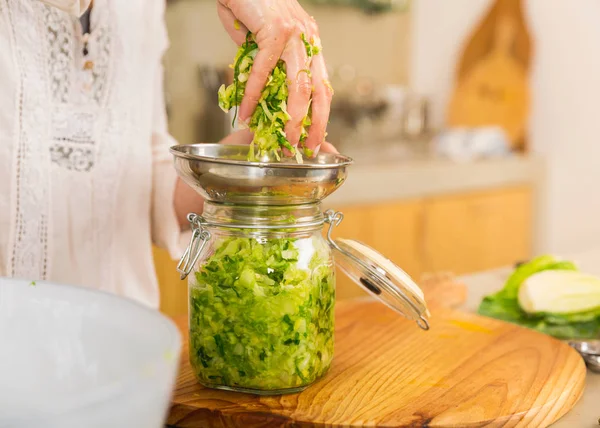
[200,237]
[333,218]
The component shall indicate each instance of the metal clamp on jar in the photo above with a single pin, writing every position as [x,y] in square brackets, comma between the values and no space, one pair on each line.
[262,283]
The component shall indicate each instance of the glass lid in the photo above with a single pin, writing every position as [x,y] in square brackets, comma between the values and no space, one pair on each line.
[379,276]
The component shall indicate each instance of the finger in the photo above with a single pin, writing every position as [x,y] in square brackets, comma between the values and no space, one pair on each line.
[321,103]
[299,12]
[326,148]
[270,49]
[236,30]
[299,85]
[243,137]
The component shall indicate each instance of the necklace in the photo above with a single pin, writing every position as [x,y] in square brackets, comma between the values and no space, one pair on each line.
[85,29]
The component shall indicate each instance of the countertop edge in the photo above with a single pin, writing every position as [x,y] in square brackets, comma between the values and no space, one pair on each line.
[388,181]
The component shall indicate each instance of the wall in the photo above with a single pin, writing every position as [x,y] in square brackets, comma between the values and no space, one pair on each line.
[565,123]
[376,46]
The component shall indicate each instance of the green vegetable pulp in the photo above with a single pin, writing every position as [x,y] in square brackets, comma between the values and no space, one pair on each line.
[504,305]
[270,116]
[261,314]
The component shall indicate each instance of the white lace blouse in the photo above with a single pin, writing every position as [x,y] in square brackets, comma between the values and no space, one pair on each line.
[86,179]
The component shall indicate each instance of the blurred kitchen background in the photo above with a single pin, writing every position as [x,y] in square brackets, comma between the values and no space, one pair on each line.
[473,124]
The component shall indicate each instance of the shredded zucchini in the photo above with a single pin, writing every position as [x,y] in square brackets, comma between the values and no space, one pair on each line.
[269,119]
[261,313]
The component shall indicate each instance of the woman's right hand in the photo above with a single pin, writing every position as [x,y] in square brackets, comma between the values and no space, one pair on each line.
[277,26]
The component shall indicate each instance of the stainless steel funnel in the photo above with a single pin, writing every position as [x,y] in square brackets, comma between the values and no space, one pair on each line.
[221,173]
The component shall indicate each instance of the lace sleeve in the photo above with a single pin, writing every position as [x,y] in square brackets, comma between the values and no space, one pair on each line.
[166,231]
[74,7]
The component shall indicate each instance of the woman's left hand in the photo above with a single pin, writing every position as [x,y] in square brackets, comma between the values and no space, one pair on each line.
[277,26]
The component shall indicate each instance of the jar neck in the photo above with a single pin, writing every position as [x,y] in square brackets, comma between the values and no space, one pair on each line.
[307,216]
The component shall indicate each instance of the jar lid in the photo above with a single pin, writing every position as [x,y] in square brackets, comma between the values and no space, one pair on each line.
[382,279]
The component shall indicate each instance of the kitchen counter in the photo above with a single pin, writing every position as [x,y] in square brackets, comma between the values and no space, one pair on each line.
[389,175]
[587,411]
[190,402]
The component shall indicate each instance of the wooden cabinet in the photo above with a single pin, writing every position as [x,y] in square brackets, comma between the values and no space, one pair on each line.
[459,233]
[392,229]
[467,233]
[173,291]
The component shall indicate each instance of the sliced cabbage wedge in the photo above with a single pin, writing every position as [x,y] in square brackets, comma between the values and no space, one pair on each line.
[550,296]
[560,292]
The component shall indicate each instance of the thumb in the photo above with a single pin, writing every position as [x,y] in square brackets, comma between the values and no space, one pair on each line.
[328,148]
[241,137]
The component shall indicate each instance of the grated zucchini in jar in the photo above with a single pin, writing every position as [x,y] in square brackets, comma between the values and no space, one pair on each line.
[261,313]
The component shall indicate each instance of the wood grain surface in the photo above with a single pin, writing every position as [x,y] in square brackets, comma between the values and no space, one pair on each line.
[466,371]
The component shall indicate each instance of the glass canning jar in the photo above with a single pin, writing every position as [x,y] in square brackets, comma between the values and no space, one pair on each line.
[262,294]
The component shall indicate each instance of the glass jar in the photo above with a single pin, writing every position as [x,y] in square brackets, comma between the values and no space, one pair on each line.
[262,294]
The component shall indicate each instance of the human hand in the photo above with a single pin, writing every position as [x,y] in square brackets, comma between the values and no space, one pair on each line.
[278,26]
[244,137]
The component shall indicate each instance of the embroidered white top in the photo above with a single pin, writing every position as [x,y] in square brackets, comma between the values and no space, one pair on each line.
[86,179]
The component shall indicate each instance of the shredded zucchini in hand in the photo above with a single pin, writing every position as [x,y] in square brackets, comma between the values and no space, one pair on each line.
[269,119]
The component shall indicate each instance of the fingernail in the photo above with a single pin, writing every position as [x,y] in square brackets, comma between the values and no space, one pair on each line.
[243,124]
[316,150]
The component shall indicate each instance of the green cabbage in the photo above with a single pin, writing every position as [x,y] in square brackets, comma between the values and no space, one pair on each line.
[504,305]
[269,119]
[261,314]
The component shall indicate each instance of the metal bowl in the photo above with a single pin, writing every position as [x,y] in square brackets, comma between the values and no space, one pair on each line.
[221,173]
[586,347]
[590,351]
[592,362]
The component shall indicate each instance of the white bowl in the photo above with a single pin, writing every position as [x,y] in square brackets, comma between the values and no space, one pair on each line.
[74,357]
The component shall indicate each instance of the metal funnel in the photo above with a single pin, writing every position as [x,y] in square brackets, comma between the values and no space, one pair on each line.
[221,173]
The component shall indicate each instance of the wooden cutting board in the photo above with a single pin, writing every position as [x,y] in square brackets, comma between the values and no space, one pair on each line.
[466,370]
